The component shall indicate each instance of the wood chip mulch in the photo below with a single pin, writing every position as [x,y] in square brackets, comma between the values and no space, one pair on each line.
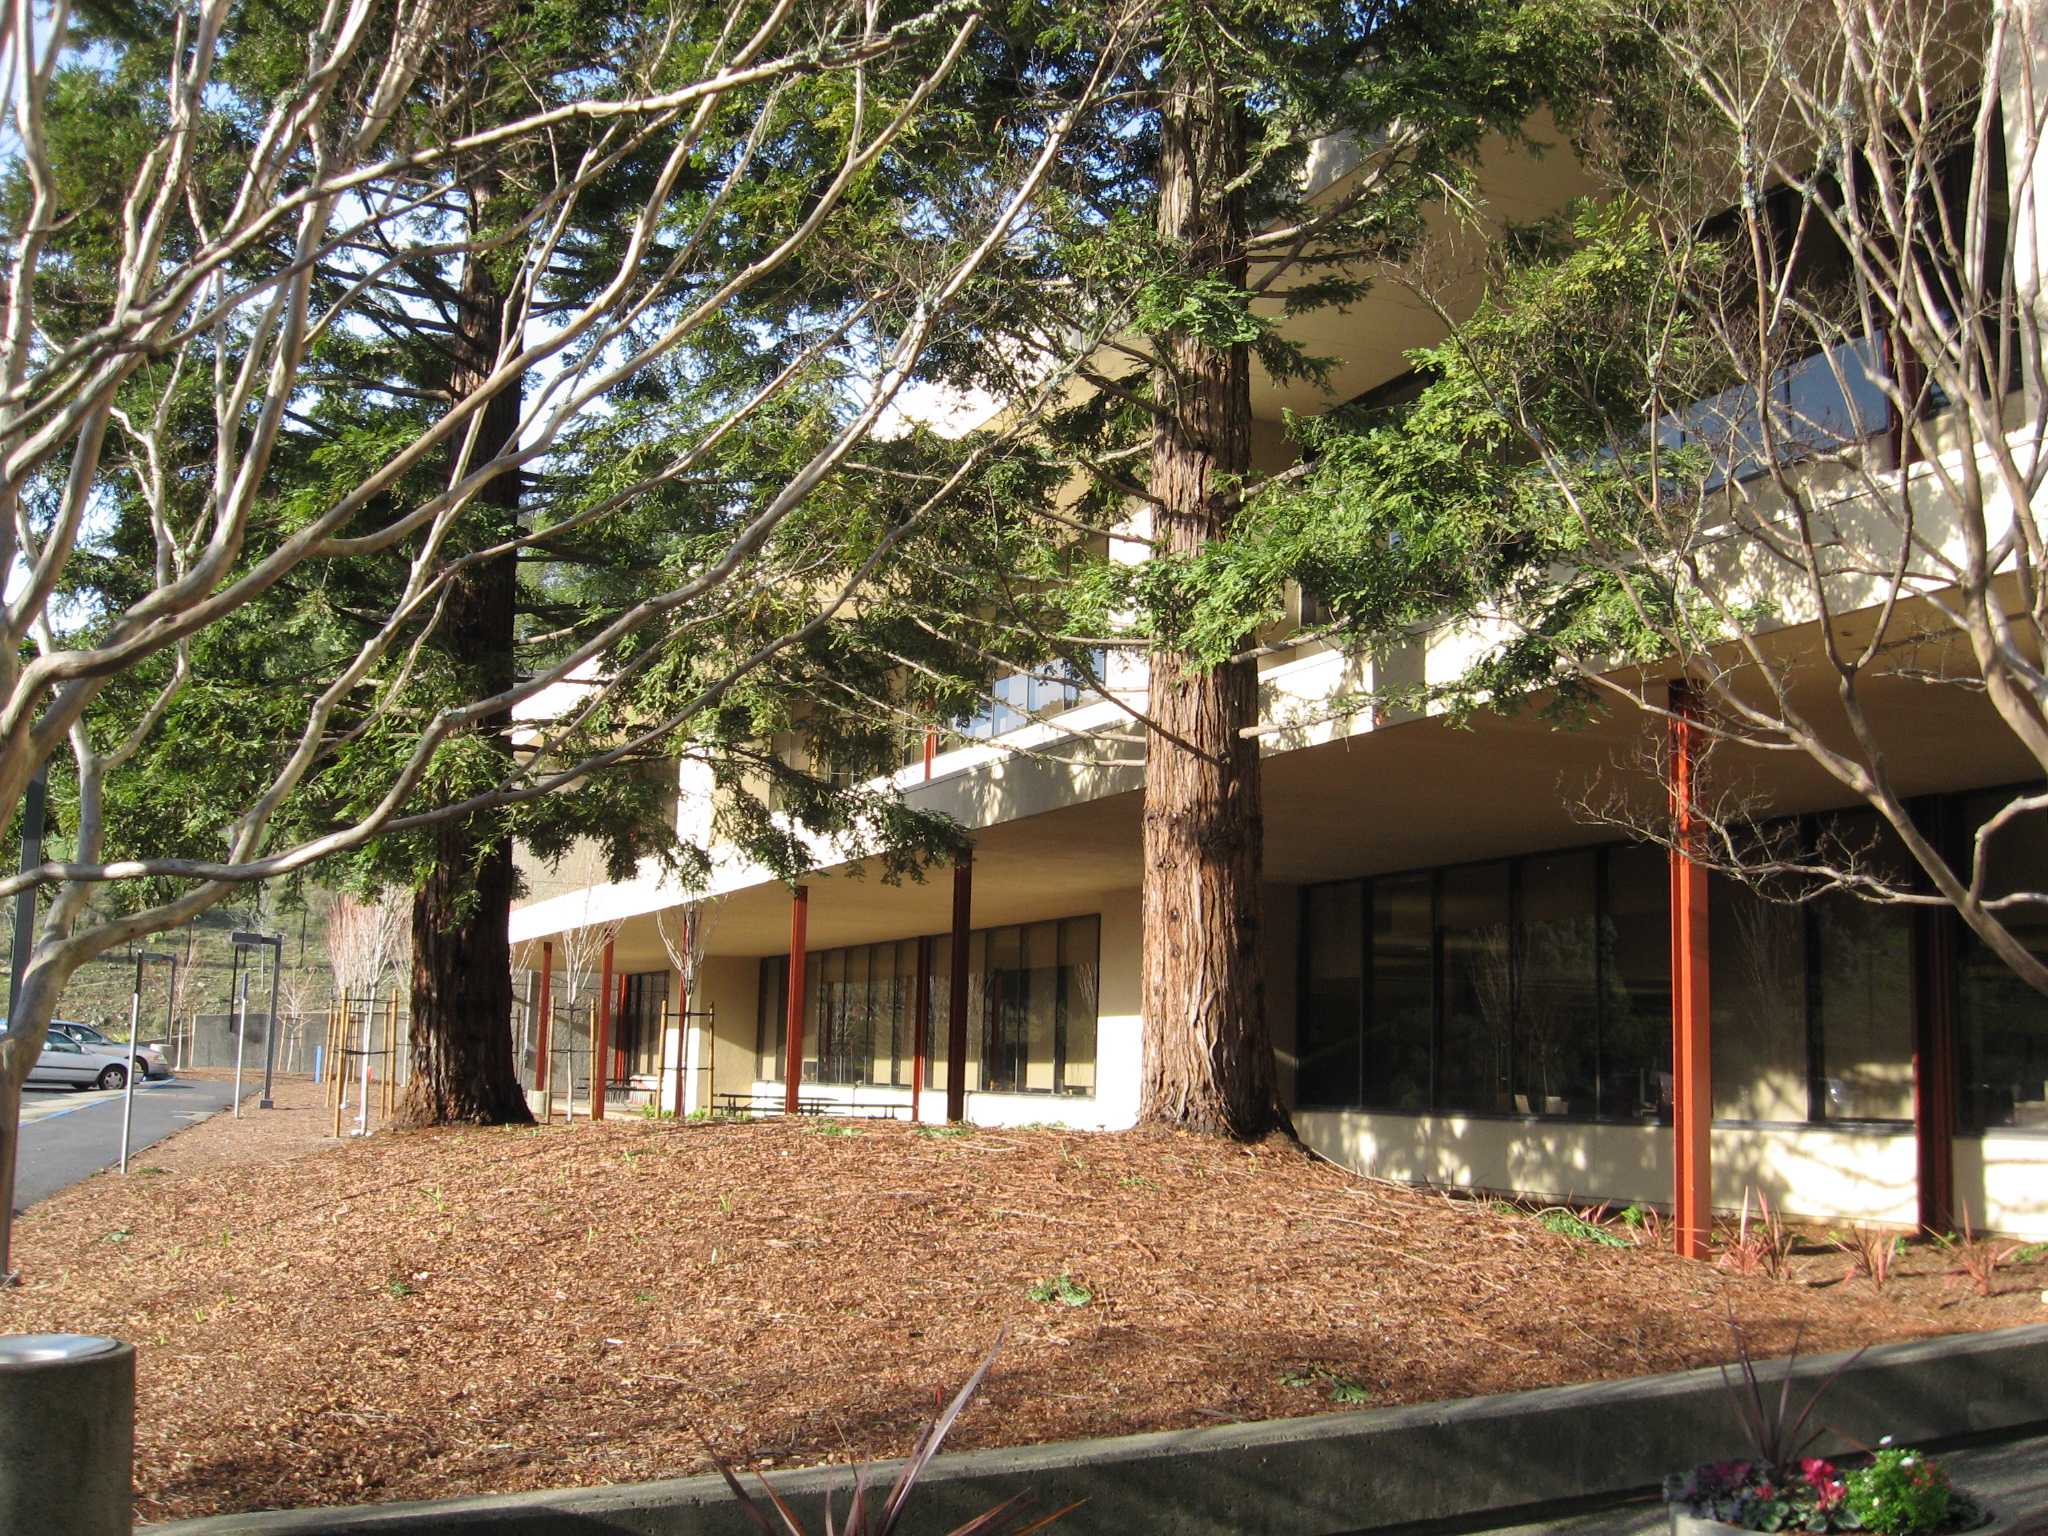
[425,1314]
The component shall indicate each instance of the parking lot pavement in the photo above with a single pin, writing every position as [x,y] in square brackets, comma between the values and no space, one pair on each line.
[67,1136]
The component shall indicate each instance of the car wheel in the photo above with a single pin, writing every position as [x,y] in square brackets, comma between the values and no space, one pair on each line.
[114,1077]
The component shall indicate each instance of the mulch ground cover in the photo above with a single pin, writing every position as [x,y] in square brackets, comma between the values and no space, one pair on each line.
[424,1314]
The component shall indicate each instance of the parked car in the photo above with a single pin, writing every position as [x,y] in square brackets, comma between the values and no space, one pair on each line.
[65,1061]
[152,1059]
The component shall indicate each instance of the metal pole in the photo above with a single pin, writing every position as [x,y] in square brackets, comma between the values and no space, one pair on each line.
[337,1044]
[128,1086]
[171,1005]
[241,1029]
[363,1109]
[956,992]
[1692,1091]
[793,1029]
[601,1037]
[270,1034]
[920,1027]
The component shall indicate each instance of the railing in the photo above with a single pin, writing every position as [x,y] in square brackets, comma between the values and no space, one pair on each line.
[1022,697]
[752,1105]
[1818,405]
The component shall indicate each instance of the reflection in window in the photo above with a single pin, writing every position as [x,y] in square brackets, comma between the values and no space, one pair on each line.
[1400,1031]
[638,1030]
[1327,1038]
[1032,999]
[1635,1024]
[1759,991]
[1557,1020]
[1478,989]
[2001,1022]
[1529,986]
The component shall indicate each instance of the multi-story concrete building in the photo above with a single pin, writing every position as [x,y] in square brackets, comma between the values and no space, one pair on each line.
[1469,982]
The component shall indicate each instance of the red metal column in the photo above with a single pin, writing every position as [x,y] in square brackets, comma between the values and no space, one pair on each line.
[1692,1083]
[683,1085]
[543,1034]
[793,1019]
[601,1040]
[956,1007]
[622,1066]
[931,750]
[920,1026]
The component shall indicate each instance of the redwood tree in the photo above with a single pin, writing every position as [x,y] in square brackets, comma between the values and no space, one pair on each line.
[1201,218]
[462,1068]
[1208,1052]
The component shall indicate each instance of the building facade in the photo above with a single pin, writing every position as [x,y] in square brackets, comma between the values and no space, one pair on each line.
[1470,977]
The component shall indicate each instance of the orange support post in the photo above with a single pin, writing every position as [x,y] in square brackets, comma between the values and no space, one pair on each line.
[622,1065]
[931,750]
[544,1030]
[920,1027]
[956,1008]
[793,1018]
[1692,1077]
[601,1040]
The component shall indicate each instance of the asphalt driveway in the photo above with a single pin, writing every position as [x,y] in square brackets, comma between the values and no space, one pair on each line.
[67,1136]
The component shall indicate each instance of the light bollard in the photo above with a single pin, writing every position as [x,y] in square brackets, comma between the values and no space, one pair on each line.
[67,1435]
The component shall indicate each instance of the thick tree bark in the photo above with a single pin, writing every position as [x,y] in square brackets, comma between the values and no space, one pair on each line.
[462,1068]
[1208,1051]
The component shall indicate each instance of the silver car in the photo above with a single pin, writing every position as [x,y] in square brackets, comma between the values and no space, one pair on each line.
[65,1061]
[151,1059]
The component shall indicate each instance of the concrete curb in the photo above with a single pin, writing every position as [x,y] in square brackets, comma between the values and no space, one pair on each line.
[1334,1473]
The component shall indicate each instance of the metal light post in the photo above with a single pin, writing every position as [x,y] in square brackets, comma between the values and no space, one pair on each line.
[239,995]
[142,958]
[275,943]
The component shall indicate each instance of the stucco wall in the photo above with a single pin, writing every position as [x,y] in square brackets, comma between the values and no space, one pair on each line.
[1807,1171]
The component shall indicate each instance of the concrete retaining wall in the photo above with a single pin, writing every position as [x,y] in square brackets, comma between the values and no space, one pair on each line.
[1318,1476]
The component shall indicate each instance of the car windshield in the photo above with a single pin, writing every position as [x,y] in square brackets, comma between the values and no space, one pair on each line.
[87,1033]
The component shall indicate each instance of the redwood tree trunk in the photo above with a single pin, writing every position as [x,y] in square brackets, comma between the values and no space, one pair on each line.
[1208,1052]
[462,1069]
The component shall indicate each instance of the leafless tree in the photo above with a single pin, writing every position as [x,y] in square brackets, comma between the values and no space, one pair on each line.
[365,941]
[684,933]
[1795,434]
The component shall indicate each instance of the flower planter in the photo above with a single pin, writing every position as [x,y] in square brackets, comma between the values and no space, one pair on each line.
[1998,1524]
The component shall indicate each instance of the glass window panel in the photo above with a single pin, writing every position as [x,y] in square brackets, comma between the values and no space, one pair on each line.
[892,1031]
[1635,992]
[1864,967]
[818,968]
[1080,962]
[2001,1022]
[1557,1033]
[938,1035]
[1478,990]
[1758,954]
[1401,1029]
[1332,996]
[770,1036]
[1004,999]
[1041,969]
[1032,1010]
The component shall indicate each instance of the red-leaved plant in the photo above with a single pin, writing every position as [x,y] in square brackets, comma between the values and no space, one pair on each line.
[867,1516]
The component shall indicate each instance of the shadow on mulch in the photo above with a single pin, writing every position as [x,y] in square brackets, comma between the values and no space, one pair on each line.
[431,1314]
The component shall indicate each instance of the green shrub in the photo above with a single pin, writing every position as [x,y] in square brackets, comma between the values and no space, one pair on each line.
[1902,1493]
